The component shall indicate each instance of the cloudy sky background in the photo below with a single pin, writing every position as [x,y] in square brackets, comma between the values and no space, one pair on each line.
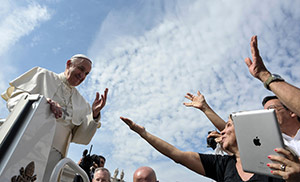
[150,54]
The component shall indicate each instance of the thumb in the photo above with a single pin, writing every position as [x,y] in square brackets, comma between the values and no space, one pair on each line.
[188,104]
[198,93]
[248,62]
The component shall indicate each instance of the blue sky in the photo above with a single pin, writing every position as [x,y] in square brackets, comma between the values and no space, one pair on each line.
[150,54]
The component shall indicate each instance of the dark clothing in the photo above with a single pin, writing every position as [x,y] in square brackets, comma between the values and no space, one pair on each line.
[222,169]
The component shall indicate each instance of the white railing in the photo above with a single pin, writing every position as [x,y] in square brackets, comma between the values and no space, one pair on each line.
[61,164]
[2,121]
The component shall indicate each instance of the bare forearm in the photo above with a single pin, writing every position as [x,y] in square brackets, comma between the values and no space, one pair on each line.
[216,120]
[162,146]
[190,160]
[288,94]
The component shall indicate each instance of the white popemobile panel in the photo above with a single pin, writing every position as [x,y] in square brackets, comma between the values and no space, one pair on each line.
[26,137]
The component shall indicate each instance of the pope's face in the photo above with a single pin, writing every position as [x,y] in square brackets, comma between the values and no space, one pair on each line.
[77,70]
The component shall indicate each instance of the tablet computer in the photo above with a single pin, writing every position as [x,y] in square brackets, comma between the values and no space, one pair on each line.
[257,134]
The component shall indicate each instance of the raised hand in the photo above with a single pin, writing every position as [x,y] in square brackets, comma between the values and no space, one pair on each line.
[98,103]
[133,126]
[197,101]
[200,103]
[256,66]
[55,108]
[217,135]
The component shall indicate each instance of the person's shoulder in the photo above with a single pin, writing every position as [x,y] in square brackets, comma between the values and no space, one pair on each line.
[223,159]
[37,68]
[40,69]
[218,156]
[33,73]
[44,71]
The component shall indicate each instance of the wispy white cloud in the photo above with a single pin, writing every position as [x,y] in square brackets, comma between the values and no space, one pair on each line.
[150,53]
[20,22]
[197,45]
[16,21]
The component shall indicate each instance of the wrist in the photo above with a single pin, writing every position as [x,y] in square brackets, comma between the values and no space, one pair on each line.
[97,116]
[204,108]
[263,76]
[98,124]
[272,78]
[143,134]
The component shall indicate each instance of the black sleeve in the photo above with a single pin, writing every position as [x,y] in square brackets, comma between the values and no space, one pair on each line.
[214,166]
[222,168]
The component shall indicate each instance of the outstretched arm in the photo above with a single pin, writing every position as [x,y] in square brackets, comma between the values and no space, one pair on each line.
[288,94]
[190,160]
[199,102]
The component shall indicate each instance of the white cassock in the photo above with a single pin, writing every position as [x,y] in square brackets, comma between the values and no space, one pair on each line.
[77,124]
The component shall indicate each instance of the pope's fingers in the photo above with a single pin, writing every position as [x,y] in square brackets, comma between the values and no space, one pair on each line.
[58,112]
[105,92]
[52,104]
[103,96]
[53,110]
[97,96]
[53,107]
